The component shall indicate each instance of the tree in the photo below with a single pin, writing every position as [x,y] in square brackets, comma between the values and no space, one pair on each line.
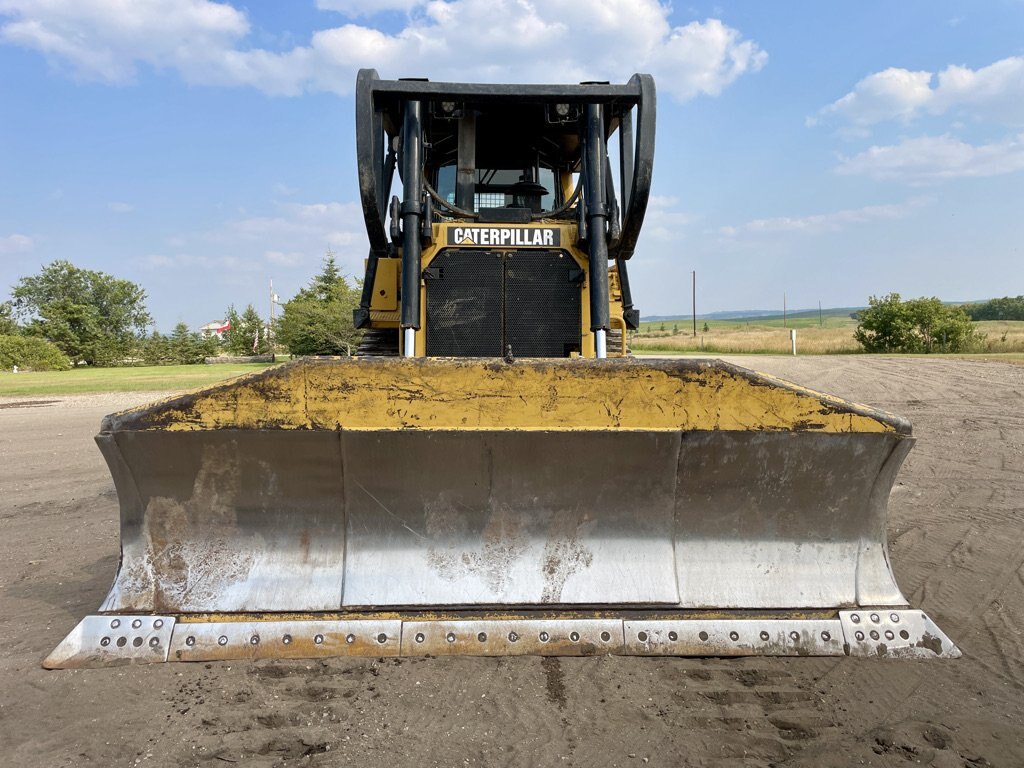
[182,347]
[155,349]
[8,325]
[1006,308]
[189,348]
[890,324]
[318,321]
[246,333]
[91,316]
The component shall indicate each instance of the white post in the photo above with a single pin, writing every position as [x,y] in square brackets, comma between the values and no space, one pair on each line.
[600,344]
[792,338]
[410,342]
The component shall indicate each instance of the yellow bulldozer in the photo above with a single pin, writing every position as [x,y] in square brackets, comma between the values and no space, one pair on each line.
[493,473]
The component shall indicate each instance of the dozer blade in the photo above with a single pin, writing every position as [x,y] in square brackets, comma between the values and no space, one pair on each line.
[408,507]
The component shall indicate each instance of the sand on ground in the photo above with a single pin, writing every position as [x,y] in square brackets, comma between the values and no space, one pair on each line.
[956,533]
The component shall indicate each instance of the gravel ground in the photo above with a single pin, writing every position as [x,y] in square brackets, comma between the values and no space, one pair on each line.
[956,526]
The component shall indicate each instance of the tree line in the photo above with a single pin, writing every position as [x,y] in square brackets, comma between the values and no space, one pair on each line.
[66,316]
[1006,308]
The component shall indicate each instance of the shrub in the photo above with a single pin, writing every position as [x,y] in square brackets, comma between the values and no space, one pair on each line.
[890,324]
[31,353]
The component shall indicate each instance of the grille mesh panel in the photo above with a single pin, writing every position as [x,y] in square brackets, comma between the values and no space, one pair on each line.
[479,302]
[542,306]
[464,304]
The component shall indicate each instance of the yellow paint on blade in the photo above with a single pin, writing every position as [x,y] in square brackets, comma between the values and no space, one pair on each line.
[528,395]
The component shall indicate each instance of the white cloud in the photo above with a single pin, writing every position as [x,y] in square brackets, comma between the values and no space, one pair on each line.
[120,207]
[816,224]
[995,92]
[296,235]
[316,225]
[935,158]
[160,261]
[534,41]
[16,244]
[105,39]
[887,95]
[365,7]
[290,259]
[221,264]
[663,221]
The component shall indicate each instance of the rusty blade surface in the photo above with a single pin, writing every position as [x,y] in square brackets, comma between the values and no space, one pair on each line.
[239,521]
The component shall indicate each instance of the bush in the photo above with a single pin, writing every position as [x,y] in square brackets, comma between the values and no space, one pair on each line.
[31,353]
[890,324]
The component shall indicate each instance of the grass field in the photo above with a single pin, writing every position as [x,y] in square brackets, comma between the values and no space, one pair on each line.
[1004,340]
[161,378]
[768,336]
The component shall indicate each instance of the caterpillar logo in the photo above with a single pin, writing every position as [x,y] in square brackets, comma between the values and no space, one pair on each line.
[506,237]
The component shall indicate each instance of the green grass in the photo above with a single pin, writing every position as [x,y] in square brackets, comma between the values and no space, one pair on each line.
[163,378]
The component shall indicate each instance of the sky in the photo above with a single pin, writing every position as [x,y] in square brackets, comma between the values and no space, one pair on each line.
[824,152]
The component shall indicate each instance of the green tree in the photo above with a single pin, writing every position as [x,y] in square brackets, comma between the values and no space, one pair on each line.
[890,324]
[232,339]
[318,321]
[247,334]
[1006,308]
[189,348]
[155,349]
[8,325]
[181,347]
[91,316]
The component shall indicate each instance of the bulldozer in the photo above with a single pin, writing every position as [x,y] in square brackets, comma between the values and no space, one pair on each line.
[493,473]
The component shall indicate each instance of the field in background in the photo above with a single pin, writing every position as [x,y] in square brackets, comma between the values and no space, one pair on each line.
[834,335]
[758,335]
[161,378]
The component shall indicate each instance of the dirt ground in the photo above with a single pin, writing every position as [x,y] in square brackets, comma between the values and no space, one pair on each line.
[957,543]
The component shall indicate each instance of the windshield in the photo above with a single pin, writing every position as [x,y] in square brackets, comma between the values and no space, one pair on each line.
[496,188]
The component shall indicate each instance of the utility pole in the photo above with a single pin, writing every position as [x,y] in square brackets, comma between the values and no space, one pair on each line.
[273,302]
[820,323]
[695,303]
[784,310]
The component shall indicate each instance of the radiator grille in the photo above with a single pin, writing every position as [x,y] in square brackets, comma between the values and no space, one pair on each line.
[464,304]
[480,302]
[542,304]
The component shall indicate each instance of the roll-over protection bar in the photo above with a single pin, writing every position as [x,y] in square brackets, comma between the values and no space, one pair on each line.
[384,143]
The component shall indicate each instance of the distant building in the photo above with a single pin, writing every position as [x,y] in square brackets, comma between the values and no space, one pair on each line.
[215,328]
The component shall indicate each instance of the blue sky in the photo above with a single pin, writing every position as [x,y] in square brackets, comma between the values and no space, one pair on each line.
[822,150]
